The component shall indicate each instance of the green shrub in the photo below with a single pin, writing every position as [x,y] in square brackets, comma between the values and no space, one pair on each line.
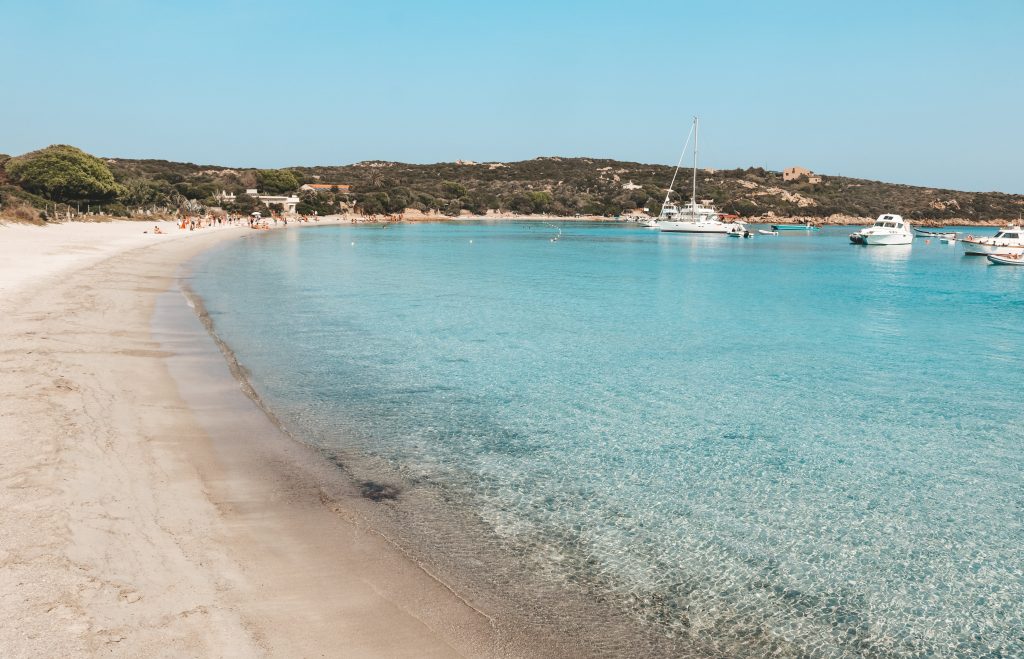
[276,181]
[64,173]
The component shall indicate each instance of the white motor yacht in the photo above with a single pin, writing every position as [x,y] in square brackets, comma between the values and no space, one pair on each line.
[888,229]
[1006,241]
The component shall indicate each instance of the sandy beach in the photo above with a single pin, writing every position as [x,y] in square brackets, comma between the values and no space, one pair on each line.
[143,513]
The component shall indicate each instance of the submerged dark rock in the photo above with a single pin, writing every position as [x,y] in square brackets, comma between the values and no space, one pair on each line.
[378,491]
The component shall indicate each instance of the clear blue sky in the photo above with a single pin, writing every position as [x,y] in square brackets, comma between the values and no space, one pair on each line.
[926,93]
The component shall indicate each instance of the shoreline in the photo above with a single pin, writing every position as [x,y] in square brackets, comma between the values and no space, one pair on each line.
[527,614]
[128,521]
[429,218]
[835,220]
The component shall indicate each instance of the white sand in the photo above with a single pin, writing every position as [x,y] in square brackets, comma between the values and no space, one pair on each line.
[29,253]
[130,528]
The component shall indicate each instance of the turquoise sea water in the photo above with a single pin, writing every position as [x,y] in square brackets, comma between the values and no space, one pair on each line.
[788,444]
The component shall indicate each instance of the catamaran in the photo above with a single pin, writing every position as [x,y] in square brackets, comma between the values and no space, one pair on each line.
[693,217]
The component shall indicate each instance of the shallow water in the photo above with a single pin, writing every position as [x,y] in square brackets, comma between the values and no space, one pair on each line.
[788,444]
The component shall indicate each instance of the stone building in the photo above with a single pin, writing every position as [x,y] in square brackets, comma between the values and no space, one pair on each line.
[794,173]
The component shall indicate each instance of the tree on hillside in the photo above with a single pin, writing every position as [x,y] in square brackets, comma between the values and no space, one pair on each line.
[520,203]
[205,192]
[374,204]
[64,173]
[375,179]
[453,189]
[276,181]
[318,202]
[245,204]
[540,201]
[140,191]
[398,200]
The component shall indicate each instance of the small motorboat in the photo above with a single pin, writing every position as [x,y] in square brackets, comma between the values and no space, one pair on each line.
[740,231]
[806,226]
[765,232]
[950,235]
[1006,259]
[888,229]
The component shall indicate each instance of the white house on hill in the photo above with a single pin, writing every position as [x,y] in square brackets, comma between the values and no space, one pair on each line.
[288,202]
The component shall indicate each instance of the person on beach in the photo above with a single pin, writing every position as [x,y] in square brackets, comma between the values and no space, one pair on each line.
[156,229]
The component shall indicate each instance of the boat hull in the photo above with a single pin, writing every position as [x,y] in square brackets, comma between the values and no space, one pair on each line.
[972,248]
[880,239]
[894,239]
[948,235]
[999,259]
[697,227]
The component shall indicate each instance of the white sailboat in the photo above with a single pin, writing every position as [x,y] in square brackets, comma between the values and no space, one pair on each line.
[693,217]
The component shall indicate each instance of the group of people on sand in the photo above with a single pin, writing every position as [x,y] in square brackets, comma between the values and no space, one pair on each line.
[193,223]
[255,220]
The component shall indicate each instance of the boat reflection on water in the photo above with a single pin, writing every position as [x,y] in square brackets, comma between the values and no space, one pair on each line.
[891,254]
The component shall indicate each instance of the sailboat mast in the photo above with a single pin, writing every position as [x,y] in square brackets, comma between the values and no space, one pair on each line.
[679,163]
[696,129]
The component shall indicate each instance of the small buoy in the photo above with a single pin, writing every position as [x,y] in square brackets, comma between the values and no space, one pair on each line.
[927,241]
[470,242]
[353,243]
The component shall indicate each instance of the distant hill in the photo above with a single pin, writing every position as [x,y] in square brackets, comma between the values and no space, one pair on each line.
[557,186]
[609,187]
[591,186]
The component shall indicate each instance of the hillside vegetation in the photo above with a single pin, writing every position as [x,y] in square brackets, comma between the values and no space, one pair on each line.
[569,186]
[46,180]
